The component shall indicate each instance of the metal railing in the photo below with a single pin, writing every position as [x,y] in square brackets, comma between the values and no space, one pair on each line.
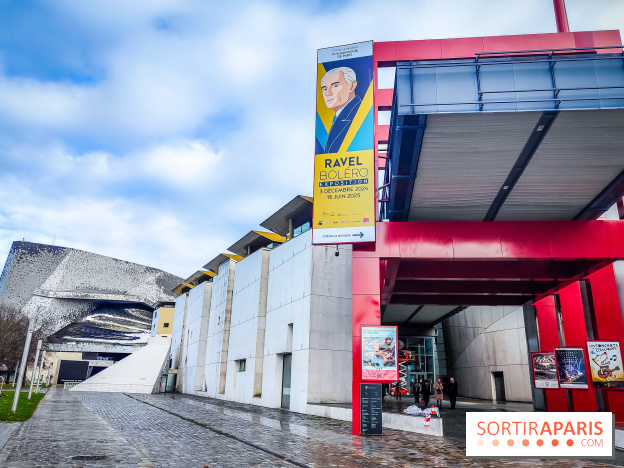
[551,58]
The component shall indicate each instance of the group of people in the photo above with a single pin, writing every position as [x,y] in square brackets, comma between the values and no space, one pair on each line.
[426,389]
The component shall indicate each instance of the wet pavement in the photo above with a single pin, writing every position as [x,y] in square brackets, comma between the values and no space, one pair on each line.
[173,430]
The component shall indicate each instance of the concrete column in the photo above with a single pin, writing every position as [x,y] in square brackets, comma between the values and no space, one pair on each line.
[40,370]
[532,339]
[15,373]
[22,369]
[32,375]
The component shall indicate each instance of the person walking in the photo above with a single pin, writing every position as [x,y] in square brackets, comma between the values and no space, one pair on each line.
[438,388]
[398,390]
[426,393]
[452,392]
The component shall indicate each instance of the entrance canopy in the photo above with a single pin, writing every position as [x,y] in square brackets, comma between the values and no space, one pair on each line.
[427,270]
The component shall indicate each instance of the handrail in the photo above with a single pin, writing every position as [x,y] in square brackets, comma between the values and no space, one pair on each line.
[549,50]
[475,63]
[478,103]
[551,90]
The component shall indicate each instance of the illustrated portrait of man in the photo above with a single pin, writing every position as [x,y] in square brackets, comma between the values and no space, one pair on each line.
[338,88]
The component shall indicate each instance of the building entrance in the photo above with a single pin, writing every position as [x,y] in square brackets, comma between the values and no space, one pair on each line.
[286,381]
[499,386]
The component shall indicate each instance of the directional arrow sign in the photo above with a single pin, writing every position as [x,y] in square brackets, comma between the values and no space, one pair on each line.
[360,235]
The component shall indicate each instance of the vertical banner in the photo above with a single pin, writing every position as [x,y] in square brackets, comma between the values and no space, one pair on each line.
[344,161]
[605,363]
[379,354]
[544,370]
[571,368]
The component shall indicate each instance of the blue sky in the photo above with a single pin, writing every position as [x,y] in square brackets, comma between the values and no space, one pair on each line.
[162,131]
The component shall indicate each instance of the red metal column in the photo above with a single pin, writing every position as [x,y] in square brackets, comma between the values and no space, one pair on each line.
[549,340]
[609,326]
[561,16]
[365,309]
[575,331]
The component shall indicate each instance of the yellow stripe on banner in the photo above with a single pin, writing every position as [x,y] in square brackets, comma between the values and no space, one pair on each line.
[326,114]
[365,107]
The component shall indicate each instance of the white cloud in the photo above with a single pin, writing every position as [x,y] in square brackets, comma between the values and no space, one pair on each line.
[183,164]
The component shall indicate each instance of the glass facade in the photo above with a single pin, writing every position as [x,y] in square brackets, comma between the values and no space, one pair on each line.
[424,366]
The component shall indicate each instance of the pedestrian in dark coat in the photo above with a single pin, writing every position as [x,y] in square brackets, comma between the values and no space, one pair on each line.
[416,391]
[452,391]
[426,392]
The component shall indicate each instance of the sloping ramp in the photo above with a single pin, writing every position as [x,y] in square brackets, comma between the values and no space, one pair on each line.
[138,373]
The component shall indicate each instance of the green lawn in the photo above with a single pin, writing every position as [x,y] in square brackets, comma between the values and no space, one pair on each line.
[25,407]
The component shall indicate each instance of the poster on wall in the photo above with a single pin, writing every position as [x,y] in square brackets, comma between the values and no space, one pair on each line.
[605,363]
[379,354]
[571,368]
[344,161]
[544,370]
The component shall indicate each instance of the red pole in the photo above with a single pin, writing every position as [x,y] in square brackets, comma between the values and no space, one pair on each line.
[561,16]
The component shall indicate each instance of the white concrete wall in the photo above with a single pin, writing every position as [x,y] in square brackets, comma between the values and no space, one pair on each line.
[288,302]
[294,299]
[330,326]
[195,338]
[219,330]
[249,301]
[154,325]
[310,288]
[482,340]
[176,331]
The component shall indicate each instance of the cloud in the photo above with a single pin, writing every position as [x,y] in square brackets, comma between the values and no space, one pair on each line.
[181,164]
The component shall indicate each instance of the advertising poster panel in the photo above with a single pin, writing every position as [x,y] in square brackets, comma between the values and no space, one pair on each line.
[544,370]
[605,363]
[571,368]
[344,161]
[379,354]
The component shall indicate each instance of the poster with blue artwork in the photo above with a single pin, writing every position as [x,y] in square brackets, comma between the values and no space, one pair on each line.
[571,368]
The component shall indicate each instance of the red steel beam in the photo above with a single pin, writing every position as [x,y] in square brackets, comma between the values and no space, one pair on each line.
[520,270]
[561,16]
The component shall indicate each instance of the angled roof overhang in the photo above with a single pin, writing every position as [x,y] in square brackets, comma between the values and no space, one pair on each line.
[299,210]
[213,265]
[253,241]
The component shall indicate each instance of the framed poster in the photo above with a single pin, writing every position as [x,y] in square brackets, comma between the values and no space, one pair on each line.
[379,354]
[571,368]
[544,370]
[605,363]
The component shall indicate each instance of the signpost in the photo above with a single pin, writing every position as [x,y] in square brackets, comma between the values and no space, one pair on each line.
[370,409]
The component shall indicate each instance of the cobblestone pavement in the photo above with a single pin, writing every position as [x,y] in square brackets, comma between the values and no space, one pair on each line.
[188,431]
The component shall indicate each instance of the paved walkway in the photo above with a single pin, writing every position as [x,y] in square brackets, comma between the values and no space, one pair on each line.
[186,431]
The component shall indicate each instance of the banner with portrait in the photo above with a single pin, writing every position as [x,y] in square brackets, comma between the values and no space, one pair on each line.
[571,368]
[544,370]
[380,354]
[605,363]
[344,164]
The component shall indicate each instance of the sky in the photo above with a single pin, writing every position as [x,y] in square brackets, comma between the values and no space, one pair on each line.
[162,131]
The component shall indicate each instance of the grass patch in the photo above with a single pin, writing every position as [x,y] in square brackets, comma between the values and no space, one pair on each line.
[25,407]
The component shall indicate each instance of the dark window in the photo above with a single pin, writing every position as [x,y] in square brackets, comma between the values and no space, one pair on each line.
[166,325]
[241,365]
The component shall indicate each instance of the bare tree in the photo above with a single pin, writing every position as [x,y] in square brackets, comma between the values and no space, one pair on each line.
[13,330]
